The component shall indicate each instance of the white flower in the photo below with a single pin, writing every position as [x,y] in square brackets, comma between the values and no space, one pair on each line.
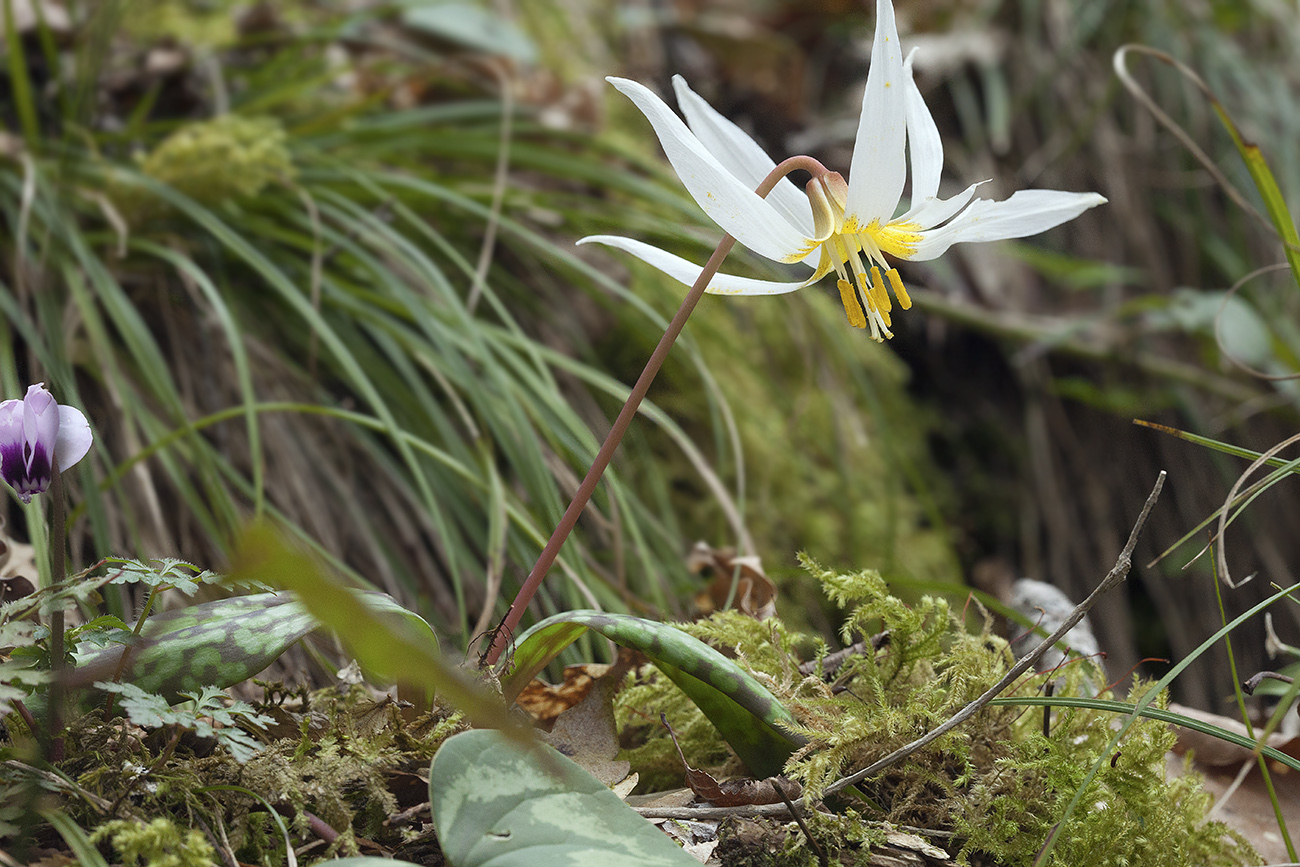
[836,226]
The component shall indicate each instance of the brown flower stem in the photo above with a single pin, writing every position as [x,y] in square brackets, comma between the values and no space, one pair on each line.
[505,630]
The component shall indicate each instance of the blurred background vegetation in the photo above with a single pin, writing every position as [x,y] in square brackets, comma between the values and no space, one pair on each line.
[314,262]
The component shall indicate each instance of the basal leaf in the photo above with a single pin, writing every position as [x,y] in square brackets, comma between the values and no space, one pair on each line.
[749,718]
[219,643]
[216,643]
[498,802]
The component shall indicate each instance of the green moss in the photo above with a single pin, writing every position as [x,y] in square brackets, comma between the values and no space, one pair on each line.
[228,155]
[211,161]
[156,844]
[996,782]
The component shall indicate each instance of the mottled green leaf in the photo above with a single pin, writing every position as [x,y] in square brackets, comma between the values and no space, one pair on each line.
[497,802]
[749,718]
[216,643]
[219,643]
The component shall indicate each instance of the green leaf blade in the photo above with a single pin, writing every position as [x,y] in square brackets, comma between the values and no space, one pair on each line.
[757,726]
[497,802]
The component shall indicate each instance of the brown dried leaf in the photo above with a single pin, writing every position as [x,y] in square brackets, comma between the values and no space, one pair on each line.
[545,702]
[735,793]
[755,592]
[586,732]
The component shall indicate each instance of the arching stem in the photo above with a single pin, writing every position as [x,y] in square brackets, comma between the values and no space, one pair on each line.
[505,630]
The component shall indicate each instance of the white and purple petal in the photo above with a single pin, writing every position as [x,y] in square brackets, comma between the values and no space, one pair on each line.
[74,439]
[34,432]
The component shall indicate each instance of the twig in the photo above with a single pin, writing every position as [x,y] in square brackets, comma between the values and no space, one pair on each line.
[803,826]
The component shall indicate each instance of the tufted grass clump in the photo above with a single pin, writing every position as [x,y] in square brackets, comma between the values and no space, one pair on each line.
[997,783]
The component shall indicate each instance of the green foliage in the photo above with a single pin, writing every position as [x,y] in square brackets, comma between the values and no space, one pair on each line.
[210,714]
[221,642]
[497,802]
[995,781]
[1137,815]
[230,155]
[166,574]
[744,712]
[159,843]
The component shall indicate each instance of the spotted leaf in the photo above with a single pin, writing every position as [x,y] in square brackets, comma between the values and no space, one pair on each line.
[218,643]
[749,718]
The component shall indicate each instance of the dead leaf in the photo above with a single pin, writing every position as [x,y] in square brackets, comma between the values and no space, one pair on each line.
[755,592]
[735,793]
[545,702]
[17,559]
[586,732]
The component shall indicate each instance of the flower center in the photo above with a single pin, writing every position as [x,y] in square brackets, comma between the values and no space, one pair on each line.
[857,254]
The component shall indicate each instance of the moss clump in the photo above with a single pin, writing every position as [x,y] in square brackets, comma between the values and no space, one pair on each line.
[210,161]
[156,844]
[996,782]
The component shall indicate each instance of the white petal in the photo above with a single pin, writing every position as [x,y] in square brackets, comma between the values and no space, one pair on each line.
[879,169]
[923,141]
[741,155]
[725,198]
[932,212]
[1027,212]
[687,272]
[74,437]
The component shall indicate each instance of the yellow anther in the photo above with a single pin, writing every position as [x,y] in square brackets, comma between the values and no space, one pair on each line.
[852,308]
[878,293]
[897,282]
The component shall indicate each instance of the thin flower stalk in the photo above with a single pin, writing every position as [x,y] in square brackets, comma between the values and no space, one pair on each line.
[503,633]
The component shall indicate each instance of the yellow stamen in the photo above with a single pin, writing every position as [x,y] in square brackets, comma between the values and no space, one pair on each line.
[872,299]
[878,293]
[897,282]
[852,308]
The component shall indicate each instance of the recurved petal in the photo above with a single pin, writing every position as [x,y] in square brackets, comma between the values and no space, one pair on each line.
[741,155]
[923,140]
[688,272]
[932,212]
[730,203]
[1027,212]
[878,170]
[74,439]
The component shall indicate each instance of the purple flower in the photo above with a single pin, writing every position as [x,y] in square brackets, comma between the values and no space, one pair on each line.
[33,431]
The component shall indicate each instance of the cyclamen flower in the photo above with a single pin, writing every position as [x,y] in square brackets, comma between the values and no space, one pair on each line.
[33,432]
[845,227]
